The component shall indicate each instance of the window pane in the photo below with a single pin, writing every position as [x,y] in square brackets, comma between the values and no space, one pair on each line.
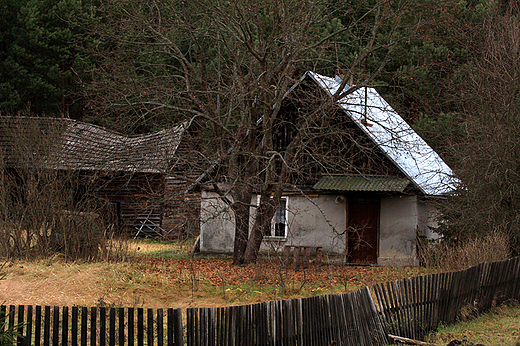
[280,219]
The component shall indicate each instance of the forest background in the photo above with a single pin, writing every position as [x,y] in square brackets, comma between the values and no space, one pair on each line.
[451,68]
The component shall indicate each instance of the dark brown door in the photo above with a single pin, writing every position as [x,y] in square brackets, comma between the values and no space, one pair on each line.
[363,231]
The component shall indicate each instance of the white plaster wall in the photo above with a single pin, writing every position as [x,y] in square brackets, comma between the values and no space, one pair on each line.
[428,219]
[314,221]
[321,221]
[308,224]
[217,224]
[398,222]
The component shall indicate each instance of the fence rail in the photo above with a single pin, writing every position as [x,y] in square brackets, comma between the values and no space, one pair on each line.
[409,308]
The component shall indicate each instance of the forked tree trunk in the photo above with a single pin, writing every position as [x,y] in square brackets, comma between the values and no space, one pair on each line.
[262,224]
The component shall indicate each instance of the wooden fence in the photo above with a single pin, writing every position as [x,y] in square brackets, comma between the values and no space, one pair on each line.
[409,308]
[414,306]
[348,319]
[94,326]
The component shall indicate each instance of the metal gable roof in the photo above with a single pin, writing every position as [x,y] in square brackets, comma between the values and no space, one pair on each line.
[400,143]
[361,183]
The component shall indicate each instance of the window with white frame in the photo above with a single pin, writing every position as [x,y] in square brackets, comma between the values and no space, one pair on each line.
[279,222]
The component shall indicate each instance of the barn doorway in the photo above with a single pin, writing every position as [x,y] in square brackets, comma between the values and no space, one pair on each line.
[363,230]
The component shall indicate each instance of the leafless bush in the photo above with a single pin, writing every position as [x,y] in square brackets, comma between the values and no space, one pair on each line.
[43,211]
[452,256]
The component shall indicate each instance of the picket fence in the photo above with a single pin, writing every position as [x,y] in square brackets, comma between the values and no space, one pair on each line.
[409,308]
[415,306]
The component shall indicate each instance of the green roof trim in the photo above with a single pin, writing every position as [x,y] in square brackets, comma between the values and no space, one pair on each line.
[362,183]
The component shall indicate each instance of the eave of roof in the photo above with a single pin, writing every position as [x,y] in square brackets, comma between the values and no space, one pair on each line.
[361,183]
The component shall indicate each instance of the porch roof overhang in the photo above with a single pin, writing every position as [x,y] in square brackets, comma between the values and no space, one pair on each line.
[362,183]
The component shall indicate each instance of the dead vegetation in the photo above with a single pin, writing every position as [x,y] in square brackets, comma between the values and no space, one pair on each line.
[47,212]
[457,255]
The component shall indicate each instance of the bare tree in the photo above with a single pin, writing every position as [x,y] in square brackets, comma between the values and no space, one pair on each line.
[487,153]
[226,66]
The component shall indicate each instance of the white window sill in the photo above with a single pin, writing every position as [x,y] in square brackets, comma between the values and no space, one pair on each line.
[274,239]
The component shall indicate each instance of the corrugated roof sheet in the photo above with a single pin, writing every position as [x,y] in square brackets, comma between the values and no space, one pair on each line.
[80,146]
[360,183]
[401,144]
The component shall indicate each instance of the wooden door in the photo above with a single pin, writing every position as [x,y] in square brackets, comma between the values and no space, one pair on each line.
[363,231]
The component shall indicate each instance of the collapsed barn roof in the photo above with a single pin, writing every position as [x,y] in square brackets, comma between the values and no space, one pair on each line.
[66,144]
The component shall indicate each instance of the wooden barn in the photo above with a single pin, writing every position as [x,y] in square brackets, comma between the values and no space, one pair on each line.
[138,177]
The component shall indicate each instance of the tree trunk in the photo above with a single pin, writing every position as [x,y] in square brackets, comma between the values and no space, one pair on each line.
[265,213]
[256,237]
[241,212]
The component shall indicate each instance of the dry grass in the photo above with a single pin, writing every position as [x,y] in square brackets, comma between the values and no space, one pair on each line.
[499,327]
[453,257]
[156,276]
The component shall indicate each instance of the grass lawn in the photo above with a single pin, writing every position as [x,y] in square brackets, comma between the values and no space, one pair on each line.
[158,274]
[499,327]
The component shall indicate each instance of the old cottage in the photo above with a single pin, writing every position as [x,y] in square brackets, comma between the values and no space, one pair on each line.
[370,210]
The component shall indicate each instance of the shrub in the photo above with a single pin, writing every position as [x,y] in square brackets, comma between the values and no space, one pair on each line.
[46,211]
[457,255]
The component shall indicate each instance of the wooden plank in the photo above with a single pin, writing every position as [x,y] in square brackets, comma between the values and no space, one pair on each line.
[178,327]
[404,302]
[74,326]
[55,326]
[306,256]
[65,326]
[170,327]
[378,327]
[149,327]
[47,326]
[392,288]
[516,288]
[93,328]
[20,323]
[84,318]
[209,322]
[160,327]
[131,326]
[408,341]
[319,255]
[296,259]
[112,326]
[218,327]
[3,313]
[102,326]
[417,305]
[382,303]
[11,316]
[286,256]
[140,326]
[121,325]
[299,321]
[29,327]
[38,326]
[357,334]
[190,324]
